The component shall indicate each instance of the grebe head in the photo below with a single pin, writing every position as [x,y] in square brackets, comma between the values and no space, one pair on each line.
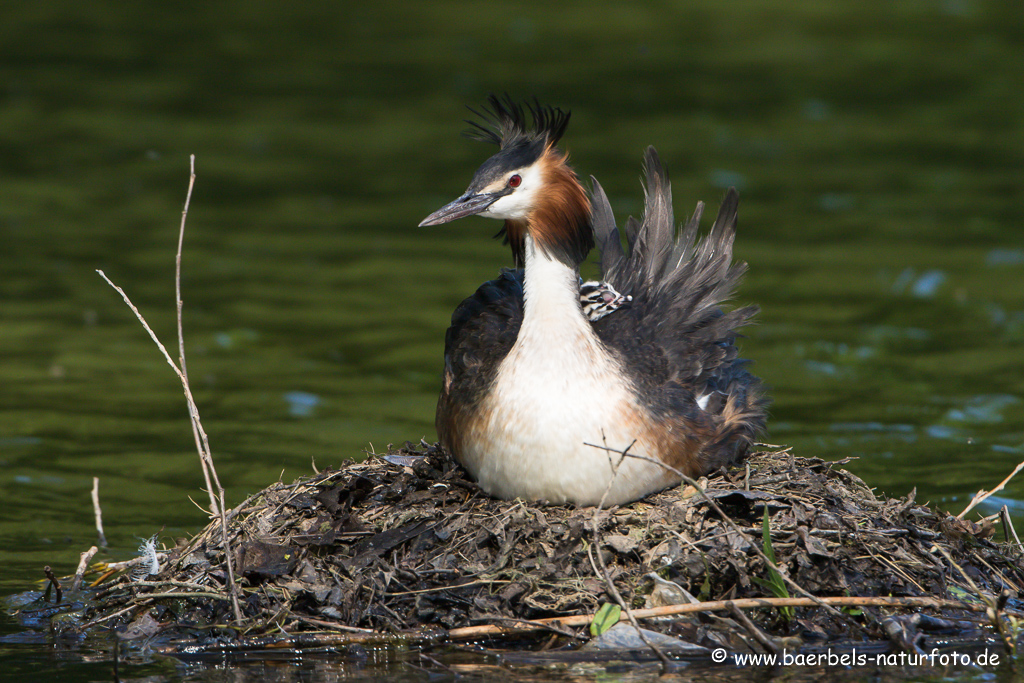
[528,183]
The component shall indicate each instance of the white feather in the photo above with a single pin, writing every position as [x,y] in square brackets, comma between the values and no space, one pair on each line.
[147,550]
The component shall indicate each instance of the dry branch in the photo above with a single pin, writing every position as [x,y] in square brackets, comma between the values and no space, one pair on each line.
[83,565]
[216,491]
[97,511]
[490,630]
[980,496]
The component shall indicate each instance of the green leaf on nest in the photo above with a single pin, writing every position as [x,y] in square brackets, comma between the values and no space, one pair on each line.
[607,616]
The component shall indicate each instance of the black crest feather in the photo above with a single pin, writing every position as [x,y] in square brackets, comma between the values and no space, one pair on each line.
[503,123]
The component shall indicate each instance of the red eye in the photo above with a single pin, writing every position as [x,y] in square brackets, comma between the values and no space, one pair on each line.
[515,181]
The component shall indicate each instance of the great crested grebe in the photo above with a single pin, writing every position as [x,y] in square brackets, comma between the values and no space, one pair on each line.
[542,374]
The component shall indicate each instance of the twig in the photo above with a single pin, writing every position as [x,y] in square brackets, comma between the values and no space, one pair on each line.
[135,561]
[983,494]
[159,584]
[83,565]
[144,597]
[307,639]
[486,630]
[1004,515]
[232,585]
[202,443]
[107,617]
[213,486]
[666,663]
[97,511]
[167,357]
[438,589]
[995,605]
[759,635]
[553,627]
[53,583]
[332,625]
[977,591]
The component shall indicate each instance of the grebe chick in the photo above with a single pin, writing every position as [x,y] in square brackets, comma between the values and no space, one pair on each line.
[536,382]
[598,299]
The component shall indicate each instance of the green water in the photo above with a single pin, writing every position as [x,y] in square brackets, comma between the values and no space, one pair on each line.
[878,148]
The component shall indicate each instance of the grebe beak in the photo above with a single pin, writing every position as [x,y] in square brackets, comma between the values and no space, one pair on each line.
[466,205]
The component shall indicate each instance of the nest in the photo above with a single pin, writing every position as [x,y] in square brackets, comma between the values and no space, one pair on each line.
[403,545]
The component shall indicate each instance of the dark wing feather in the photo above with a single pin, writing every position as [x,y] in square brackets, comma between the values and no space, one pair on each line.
[674,338]
[484,328]
[606,234]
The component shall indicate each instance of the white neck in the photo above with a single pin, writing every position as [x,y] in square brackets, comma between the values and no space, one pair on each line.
[551,295]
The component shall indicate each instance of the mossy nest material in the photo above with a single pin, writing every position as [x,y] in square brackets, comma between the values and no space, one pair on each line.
[405,544]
